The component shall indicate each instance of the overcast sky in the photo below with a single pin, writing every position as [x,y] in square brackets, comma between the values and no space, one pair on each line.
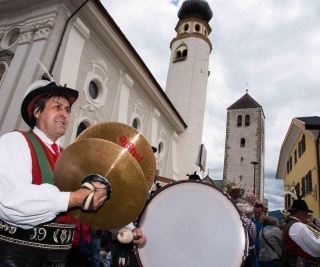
[271,45]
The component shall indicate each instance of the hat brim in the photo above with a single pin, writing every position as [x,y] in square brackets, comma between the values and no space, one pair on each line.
[294,209]
[34,95]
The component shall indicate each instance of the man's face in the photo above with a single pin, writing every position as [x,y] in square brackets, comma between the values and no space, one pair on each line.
[303,216]
[252,199]
[54,119]
[257,213]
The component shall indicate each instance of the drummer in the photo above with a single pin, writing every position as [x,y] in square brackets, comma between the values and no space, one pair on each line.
[35,229]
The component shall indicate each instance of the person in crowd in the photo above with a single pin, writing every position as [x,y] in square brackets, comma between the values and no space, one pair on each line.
[234,194]
[75,257]
[35,228]
[123,254]
[95,243]
[250,200]
[270,254]
[257,220]
[251,231]
[302,247]
[106,257]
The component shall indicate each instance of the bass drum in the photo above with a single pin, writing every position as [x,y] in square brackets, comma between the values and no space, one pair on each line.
[190,223]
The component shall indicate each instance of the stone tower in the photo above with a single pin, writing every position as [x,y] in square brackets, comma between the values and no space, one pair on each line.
[244,146]
[188,77]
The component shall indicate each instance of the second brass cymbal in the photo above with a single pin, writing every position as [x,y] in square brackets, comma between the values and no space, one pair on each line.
[128,138]
[102,157]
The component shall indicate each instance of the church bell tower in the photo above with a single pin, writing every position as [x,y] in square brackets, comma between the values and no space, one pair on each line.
[188,77]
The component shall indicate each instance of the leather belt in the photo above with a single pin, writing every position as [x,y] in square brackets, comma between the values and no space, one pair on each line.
[51,236]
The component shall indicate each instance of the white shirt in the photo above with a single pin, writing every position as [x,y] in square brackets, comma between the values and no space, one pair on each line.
[23,204]
[304,237]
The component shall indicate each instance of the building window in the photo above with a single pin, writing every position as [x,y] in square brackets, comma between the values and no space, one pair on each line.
[93,90]
[2,70]
[288,201]
[197,27]
[307,184]
[302,146]
[82,126]
[295,156]
[135,123]
[186,27]
[242,142]
[181,53]
[239,121]
[289,165]
[247,120]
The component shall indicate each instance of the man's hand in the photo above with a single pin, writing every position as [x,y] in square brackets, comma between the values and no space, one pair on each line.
[100,196]
[139,239]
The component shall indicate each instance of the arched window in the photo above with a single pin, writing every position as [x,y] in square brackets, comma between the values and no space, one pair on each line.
[242,142]
[186,27]
[247,120]
[239,121]
[82,126]
[181,53]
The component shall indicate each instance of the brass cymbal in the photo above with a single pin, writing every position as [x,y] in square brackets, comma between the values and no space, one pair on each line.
[129,138]
[112,162]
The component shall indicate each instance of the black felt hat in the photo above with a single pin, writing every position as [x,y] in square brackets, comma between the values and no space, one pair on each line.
[299,204]
[39,89]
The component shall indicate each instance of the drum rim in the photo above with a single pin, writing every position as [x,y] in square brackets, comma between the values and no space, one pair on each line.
[195,182]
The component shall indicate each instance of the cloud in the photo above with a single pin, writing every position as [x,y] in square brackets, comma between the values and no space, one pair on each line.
[273,46]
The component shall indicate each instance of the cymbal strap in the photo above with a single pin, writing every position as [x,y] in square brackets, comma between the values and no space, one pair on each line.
[88,202]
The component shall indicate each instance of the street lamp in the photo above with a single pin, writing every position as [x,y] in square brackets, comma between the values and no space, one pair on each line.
[254,175]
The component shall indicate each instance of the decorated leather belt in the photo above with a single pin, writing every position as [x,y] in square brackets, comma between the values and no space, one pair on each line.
[51,236]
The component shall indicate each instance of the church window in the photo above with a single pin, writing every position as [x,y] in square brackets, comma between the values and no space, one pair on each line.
[2,70]
[247,120]
[135,123]
[93,90]
[242,142]
[82,126]
[181,53]
[239,121]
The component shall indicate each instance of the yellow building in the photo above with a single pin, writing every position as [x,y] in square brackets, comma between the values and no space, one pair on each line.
[298,163]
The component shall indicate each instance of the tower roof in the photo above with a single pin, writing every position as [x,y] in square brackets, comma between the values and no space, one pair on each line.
[245,102]
[195,8]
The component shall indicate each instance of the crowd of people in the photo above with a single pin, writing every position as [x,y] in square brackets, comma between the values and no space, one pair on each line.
[36,230]
[270,245]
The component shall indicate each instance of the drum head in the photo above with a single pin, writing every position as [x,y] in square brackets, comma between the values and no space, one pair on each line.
[191,224]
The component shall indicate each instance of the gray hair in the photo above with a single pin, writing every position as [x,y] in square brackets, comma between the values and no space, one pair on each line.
[270,220]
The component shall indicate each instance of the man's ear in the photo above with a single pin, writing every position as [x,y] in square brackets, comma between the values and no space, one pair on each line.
[36,113]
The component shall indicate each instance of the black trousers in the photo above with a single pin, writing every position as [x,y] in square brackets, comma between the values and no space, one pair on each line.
[12,255]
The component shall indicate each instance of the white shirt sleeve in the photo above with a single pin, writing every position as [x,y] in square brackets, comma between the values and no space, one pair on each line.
[22,203]
[300,234]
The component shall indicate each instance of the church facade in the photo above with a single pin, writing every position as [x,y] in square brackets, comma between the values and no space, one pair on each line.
[82,46]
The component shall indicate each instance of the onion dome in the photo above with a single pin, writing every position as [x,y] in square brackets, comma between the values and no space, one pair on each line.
[195,8]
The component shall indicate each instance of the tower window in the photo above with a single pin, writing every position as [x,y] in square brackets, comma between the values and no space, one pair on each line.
[181,53]
[242,142]
[247,120]
[239,121]
[197,27]
[186,27]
